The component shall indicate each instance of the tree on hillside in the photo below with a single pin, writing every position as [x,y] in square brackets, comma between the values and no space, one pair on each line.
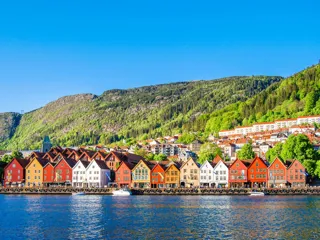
[246,152]
[208,151]
[160,157]
[141,152]
[274,152]
[186,138]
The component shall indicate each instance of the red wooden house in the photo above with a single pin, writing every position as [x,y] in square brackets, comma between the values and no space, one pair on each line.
[158,176]
[63,171]
[48,174]
[14,172]
[277,174]
[238,173]
[296,176]
[258,173]
[123,174]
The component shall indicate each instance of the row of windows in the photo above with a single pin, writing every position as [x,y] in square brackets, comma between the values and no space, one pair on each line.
[10,171]
[191,170]
[124,179]
[259,170]
[238,177]
[192,177]
[276,171]
[35,171]
[35,177]
[296,177]
[259,176]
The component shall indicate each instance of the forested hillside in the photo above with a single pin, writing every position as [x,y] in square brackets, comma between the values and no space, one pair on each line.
[141,112]
[298,95]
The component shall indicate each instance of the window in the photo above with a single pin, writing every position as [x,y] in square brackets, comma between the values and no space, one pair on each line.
[13,165]
[184,170]
[28,171]
[39,171]
[45,171]
[19,171]
[277,165]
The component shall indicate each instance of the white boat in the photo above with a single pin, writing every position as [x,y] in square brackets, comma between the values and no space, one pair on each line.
[256,194]
[78,193]
[122,192]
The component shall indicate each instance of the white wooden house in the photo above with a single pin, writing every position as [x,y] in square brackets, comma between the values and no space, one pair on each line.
[98,174]
[207,174]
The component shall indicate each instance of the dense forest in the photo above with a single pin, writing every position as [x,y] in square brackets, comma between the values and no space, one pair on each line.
[134,113]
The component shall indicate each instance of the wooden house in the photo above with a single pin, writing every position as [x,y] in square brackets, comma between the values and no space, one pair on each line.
[190,174]
[123,174]
[34,172]
[14,172]
[258,173]
[141,174]
[277,174]
[238,173]
[296,174]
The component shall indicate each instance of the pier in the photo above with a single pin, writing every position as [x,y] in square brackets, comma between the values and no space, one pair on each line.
[164,191]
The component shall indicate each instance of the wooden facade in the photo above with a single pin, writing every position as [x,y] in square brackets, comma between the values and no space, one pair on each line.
[14,172]
[141,174]
[258,173]
[238,172]
[277,173]
[158,176]
[190,174]
[172,175]
[34,172]
[123,174]
[296,174]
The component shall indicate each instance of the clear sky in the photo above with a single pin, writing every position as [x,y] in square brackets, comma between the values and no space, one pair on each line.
[49,49]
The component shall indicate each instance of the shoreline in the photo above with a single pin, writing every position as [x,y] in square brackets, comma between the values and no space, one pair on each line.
[161,192]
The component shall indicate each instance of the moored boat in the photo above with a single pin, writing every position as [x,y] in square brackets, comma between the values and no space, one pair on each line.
[78,193]
[257,194]
[122,192]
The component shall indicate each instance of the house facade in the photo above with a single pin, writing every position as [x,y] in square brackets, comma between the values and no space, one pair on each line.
[79,174]
[277,174]
[123,174]
[296,174]
[48,174]
[158,176]
[258,173]
[98,174]
[221,175]
[141,174]
[207,174]
[34,172]
[190,174]
[172,174]
[238,174]
[14,172]
[63,171]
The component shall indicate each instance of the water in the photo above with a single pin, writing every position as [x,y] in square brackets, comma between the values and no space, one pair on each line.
[159,217]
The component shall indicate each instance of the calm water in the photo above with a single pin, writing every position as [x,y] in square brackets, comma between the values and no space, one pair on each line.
[159,217]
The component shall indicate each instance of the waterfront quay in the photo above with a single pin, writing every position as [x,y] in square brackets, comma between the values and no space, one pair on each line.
[165,191]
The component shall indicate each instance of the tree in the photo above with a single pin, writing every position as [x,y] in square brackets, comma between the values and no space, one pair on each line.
[141,152]
[150,156]
[15,154]
[160,157]
[310,166]
[186,138]
[208,151]
[246,152]
[298,147]
[274,152]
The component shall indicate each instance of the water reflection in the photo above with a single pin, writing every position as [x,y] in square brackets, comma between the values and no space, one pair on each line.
[159,217]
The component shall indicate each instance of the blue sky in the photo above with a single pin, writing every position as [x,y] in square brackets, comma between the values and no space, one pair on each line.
[49,49]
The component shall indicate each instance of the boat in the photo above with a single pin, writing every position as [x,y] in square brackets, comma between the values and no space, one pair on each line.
[257,194]
[78,193]
[122,192]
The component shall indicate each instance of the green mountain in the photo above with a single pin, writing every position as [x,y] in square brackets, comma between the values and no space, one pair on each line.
[298,95]
[8,125]
[141,112]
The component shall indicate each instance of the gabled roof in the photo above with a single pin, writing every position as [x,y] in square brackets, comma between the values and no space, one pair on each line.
[101,164]
[217,159]
[42,161]
[197,164]
[245,162]
[53,164]
[103,155]
[289,163]
[128,164]
[256,159]
[36,155]
[23,162]
[71,162]
[163,166]
[148,164]
[276,158]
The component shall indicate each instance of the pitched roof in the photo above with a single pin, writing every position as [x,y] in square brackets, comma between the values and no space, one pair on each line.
[217,159]
[130,165]
[84,163]
[101,164]
[22,162]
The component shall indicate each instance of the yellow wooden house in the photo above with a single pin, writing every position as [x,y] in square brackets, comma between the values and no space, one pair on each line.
[34,172]
[141,174]
[172,174]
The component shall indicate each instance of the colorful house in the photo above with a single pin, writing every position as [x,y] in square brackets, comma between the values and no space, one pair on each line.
[207,174]
[296,174]
[221,174]
[79,174]
[277,174]
[48,174]
[14,172]
[123,174]
[190,174]
[238,173]
[98,174]
[141,174]
[63,171]
[172,174]
[258,173]
[34,172]
[158,176]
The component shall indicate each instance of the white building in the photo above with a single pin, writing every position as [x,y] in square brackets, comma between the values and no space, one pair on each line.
[221,174]
[79,175]
[98,174]
[206,174]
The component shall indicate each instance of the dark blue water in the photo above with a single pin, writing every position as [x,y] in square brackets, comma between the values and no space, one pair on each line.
[159,217]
